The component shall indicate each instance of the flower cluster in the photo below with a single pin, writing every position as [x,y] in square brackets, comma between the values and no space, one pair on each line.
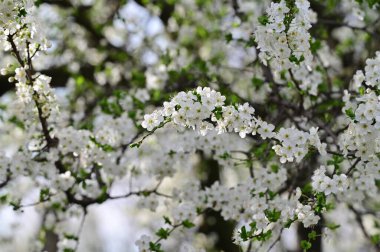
[67,164]
[204,110]
[372,72]
[285,34]
[323,183]
[294,144]
[306,215]
[284,41]
[362,134]
[38,89]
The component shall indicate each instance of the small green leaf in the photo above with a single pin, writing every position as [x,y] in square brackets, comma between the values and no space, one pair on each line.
[167,220]
[264,19]
[315,46]
[375,239]
[155,247]
[134,145]
[332,226]
[257,82]
[243,233]
[228,37]
[44,194]
[188,224]
[272,215]
[312,235]
[17,122]
[163,233]
[305,245]
[350,113]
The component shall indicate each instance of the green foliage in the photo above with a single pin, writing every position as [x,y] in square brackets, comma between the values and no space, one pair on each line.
[305,245]
[296,60]
[163,233]
[375,239]
[155,247]
[275,168]
[289,222]
[15,204]
[3,199]
[257,83]
[312,235]
[264,19]
[44,194]
[332,226]
[218,113]
[167,220]
[111,108]
[138,79]
[315,45]
[22,12]
[228,37]
[336,161]
[272,215]
[17,122]
[246,235]
[188,224]
[320,202]
[104,147]
[350,113]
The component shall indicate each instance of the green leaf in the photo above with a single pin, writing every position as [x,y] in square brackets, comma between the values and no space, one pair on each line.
[350,113]
[264,19]
[362,90]
[155,247]
[104,147]
[225,156]
[68,250]
[264,236]
[218,112]
[289,222]
[271,194]
[253,226]
[201,32]
[296,60]
[274,168]
[315,46]
[134,145]
[103,196]
[138,78]
[272,215]
[332,226]
[305,245]
[15,205]
[44,194]
[312,235]
[188,224]
[244,233]
[167,220]
[163,233]
[321,202]
[3,198]
[22,12]
[257,83]
[70,236]
[228,37]
[375,239]
[17,122]
[80,80]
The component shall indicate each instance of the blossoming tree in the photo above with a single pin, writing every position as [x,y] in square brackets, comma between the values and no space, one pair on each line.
[239,124]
